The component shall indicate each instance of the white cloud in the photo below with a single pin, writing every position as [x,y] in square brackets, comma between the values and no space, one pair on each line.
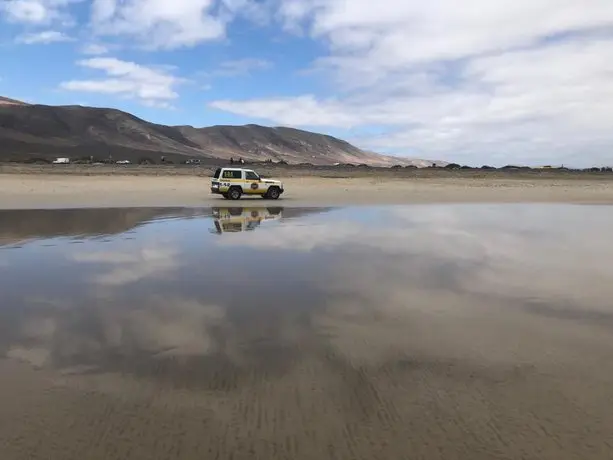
[395,33]
[94,49]
[151,86]
[159,24]
[45,37]
[36,11]
[506,80]
[304,110]
[32,11]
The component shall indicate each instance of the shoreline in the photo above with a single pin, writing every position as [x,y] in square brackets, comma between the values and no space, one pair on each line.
[31,191]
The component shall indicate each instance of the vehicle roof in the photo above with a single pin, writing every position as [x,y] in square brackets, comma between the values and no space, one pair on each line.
[237,169]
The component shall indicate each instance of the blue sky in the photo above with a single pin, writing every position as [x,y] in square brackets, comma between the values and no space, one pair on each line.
[510,81]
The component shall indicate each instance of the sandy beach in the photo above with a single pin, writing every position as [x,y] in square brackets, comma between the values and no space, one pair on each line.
[473,333]
[25,191]
[377,334]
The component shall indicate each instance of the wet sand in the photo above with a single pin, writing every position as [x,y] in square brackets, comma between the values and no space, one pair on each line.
[57,191]
[324,407]
[348,389]
[444,332]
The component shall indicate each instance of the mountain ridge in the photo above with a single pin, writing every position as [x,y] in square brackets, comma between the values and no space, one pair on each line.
[36,130]
[9,101]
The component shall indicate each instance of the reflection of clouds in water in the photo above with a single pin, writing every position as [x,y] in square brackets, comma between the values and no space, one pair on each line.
[131,266]
[172,327]
[187,341]
[515,251]
[37,332]
[554,252]
[98,334]
[35,356]
[294,236]
[382,234]
[424,281]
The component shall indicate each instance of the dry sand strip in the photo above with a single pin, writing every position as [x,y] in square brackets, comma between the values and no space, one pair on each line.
[57,191]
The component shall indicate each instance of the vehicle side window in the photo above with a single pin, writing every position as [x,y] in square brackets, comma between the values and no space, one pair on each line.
[230,174]
[217,173]
[252,176]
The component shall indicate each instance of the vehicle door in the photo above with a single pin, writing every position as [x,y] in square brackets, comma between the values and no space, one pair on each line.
[253,185]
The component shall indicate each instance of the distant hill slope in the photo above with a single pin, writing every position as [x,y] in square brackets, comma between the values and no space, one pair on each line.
[8,101]
[77,131]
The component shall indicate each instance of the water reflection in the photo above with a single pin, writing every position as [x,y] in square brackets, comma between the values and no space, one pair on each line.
[360,264]
[22,226]
[240,219]
[366,309]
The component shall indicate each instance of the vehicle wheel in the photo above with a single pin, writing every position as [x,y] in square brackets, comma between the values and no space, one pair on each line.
[235,193]
[273,193]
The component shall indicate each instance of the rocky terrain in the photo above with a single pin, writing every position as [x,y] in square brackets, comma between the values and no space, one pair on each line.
[30,131]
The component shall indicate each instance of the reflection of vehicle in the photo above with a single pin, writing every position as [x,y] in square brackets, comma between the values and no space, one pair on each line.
[232,183]
[232,220]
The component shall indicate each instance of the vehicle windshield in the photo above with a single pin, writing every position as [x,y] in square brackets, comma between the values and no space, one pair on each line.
[217,173]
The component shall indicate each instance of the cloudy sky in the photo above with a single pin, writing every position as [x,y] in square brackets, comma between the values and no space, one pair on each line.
[478,81]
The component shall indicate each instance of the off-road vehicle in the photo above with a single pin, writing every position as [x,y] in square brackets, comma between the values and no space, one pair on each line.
[232,183]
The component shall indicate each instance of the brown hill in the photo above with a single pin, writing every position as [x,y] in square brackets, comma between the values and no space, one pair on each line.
[8,101]
[31,131]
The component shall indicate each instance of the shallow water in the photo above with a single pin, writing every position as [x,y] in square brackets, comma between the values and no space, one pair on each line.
[435,331]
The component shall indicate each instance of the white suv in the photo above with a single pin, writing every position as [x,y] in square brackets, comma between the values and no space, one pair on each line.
[232,183]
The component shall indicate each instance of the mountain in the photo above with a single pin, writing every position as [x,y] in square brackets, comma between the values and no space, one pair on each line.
[42,131]
[7,101]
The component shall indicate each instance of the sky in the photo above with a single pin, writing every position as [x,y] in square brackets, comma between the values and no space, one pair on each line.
[475,82]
